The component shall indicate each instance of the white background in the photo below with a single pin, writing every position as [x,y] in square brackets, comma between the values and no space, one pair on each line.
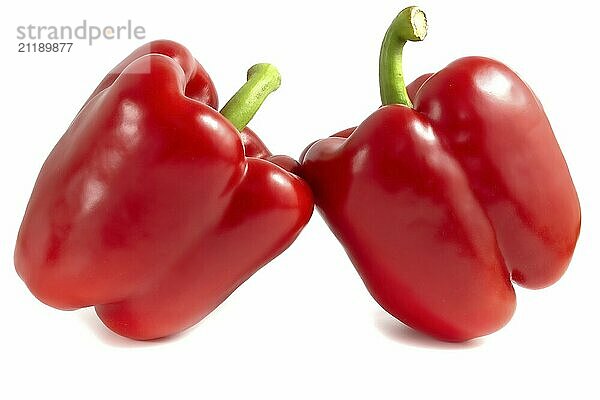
[304,326]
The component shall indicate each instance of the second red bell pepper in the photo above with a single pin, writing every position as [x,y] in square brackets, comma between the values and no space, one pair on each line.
[153,207]
[441,203]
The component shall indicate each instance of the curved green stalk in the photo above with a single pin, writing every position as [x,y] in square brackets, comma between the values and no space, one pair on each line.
[410,24]
[262,80]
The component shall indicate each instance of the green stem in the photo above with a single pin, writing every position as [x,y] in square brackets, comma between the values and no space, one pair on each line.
[410,24]
[262,80]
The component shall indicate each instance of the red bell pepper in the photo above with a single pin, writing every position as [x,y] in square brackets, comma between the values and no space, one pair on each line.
[440,204]
[152,207]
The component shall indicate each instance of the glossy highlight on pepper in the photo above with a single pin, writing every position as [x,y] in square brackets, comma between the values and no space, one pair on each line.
[153,207]
[441,204]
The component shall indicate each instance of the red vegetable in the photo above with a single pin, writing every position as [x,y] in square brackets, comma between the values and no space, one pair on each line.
[441,204]
[148,207]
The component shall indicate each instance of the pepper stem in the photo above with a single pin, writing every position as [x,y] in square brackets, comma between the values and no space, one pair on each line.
[409,24]
[262,80]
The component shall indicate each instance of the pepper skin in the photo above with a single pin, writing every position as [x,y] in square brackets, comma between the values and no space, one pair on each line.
[440,205]
[149,208]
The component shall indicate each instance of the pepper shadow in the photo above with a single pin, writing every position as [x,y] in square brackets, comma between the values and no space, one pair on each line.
[397,331]
[88,317]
